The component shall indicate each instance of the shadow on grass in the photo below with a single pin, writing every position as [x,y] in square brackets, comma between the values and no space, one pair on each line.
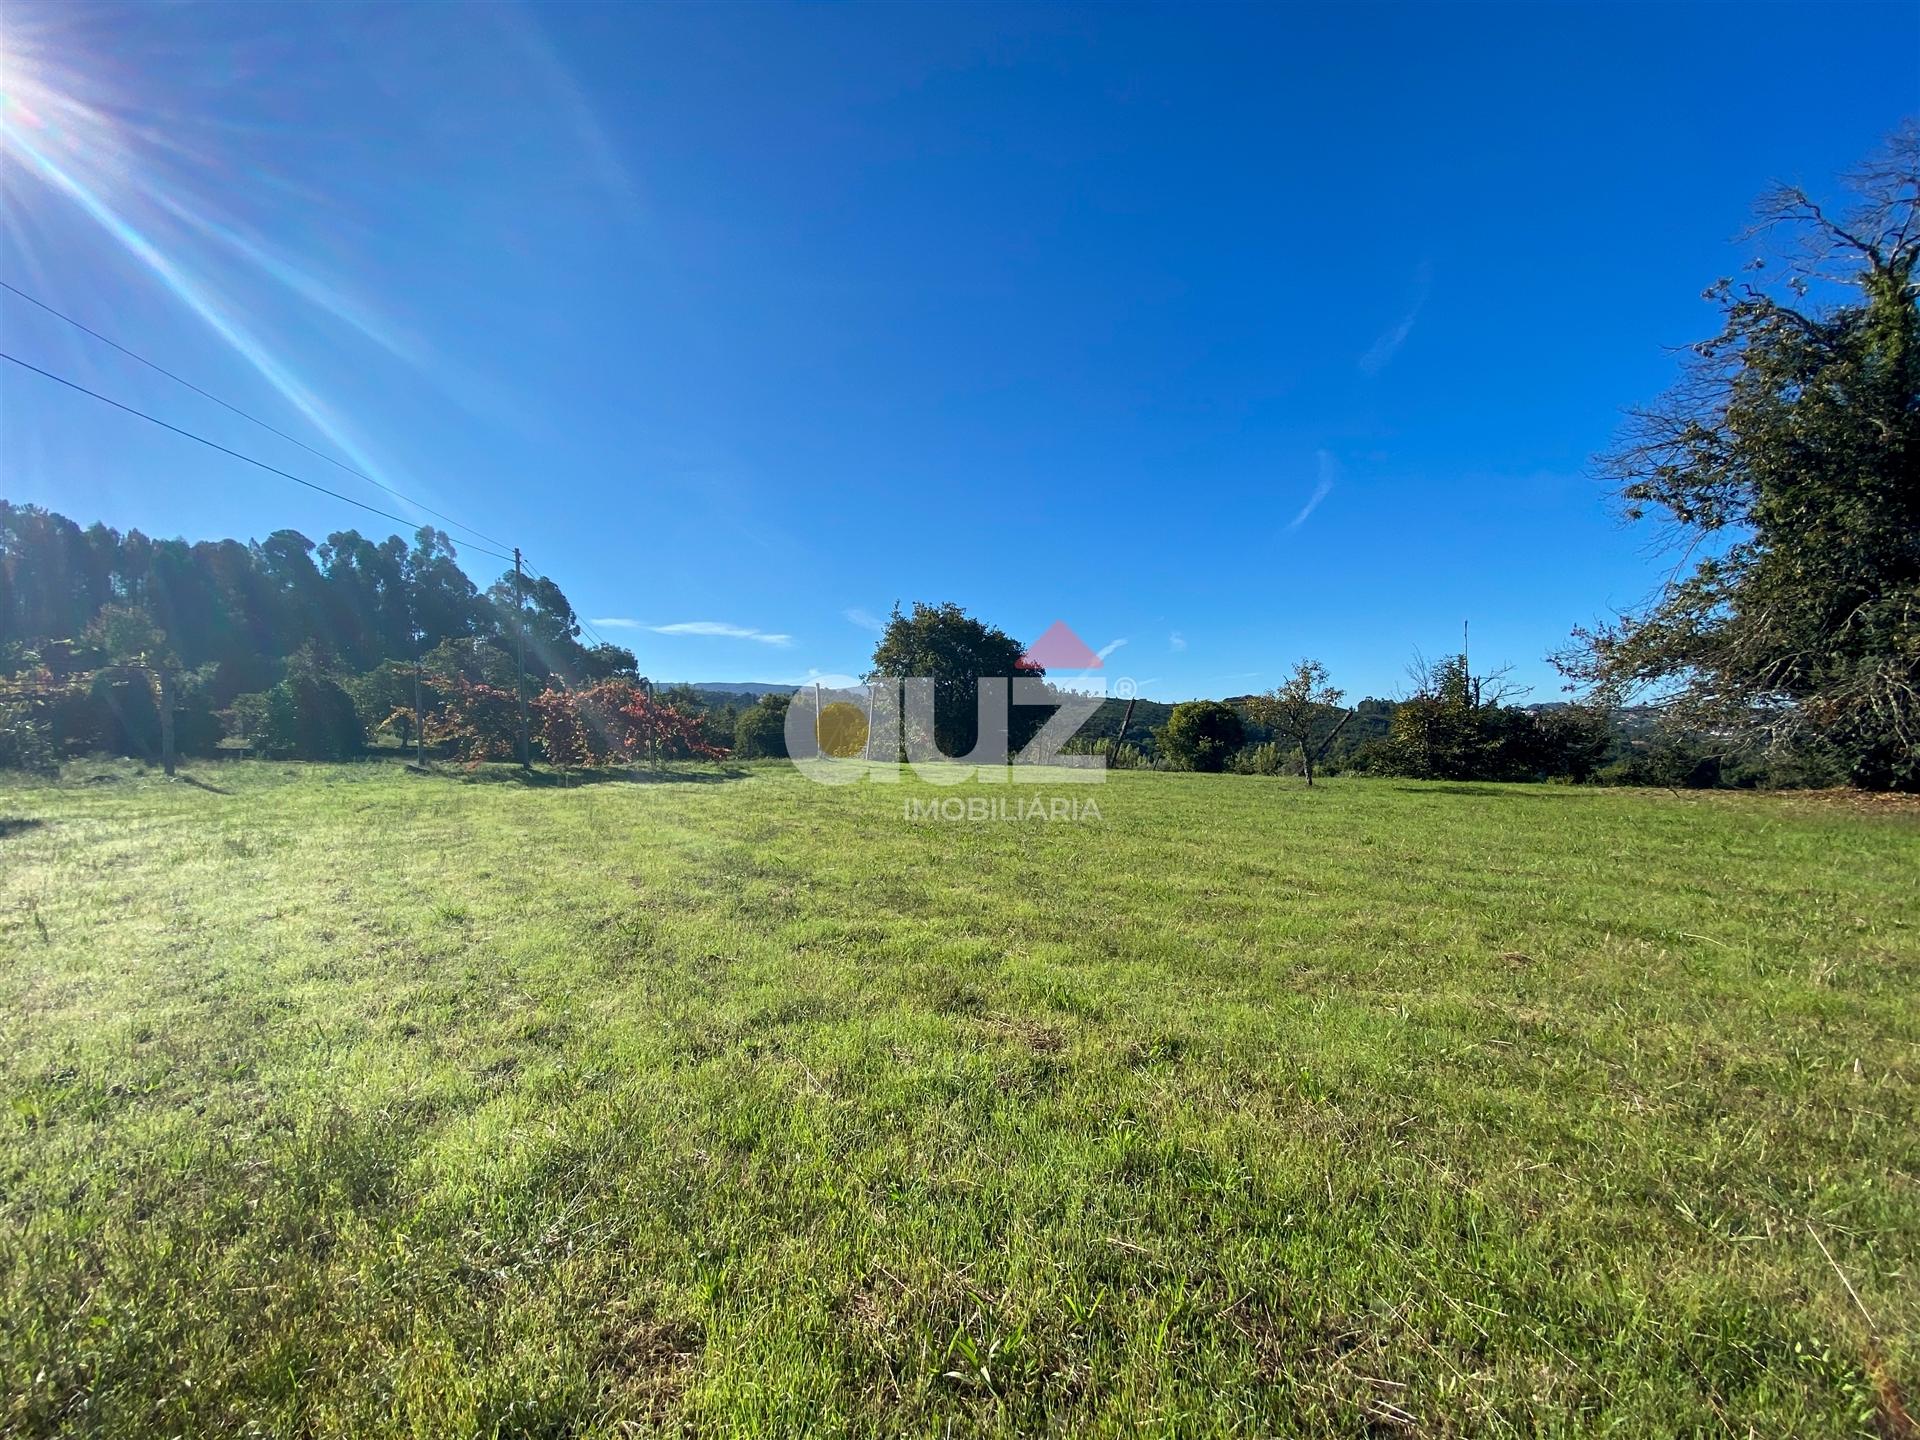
[200,784]
[1520,788]
[543,779]
[11,826]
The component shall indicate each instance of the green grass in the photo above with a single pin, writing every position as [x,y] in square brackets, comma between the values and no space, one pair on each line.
[344,1101]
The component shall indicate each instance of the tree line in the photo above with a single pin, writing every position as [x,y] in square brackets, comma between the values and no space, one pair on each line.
[296,648]
[1785,647]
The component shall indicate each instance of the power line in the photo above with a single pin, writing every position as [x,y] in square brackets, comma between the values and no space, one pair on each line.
[585,623]
[213,445]
[244,415]
[271,429]
[262,465]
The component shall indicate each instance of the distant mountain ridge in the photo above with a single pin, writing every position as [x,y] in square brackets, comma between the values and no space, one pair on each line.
[752,689]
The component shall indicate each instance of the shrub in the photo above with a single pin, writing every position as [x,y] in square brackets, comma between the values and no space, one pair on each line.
[304,717]
[1572,741]
[1201,735]
[25,743]
[1267,758]
[761,731]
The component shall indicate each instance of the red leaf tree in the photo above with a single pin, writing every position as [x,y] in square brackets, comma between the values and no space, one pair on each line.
[612,723]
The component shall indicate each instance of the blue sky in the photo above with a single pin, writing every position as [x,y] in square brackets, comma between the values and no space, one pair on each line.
[1232,334]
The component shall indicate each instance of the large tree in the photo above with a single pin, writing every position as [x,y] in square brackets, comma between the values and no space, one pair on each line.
[950,647]
[1787,464]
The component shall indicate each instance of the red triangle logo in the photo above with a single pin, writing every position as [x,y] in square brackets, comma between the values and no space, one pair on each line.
[1060,649]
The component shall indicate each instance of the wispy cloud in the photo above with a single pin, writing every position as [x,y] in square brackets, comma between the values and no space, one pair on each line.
[1380,354]
[1176,641]
[567,103]
[865,619]
[1112,645]
[713,629]
[1329,469]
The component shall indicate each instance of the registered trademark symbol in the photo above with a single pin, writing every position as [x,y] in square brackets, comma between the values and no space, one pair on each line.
[1124,687]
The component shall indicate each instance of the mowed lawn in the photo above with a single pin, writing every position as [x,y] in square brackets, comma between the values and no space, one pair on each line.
[345,1101]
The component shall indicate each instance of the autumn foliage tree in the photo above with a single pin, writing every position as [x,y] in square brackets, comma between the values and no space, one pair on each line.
[617,723]
[477,721]
[610,724]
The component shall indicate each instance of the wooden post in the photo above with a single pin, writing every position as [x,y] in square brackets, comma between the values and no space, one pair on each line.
[165,687]
[419,716]
[1121,735]
[520,664]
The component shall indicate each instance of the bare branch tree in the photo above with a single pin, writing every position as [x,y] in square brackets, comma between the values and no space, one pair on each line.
[1305,709]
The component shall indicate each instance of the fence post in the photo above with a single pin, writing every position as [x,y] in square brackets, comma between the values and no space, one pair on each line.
[164,683]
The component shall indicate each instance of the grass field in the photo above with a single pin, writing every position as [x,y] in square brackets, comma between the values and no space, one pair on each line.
[345,1101]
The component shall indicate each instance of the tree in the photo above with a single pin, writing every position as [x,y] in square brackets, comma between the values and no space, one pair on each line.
[141,679]
[607,661]
[1201,735]
[127,635]
[368,612]
[478,721]
[1306,710]
[761,731]
[1788,458]
[307,716]
[552,628]
[945,644]
[50,583]
[1456,726]
[444,603]
[473,660]
[297,593]
[383,698]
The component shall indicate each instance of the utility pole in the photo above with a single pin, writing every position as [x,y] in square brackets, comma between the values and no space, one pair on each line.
[520,662]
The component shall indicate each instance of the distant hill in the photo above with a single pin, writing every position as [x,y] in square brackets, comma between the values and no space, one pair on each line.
[750,689]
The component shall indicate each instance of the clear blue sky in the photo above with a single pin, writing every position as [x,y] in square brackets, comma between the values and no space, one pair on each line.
[1234,333]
